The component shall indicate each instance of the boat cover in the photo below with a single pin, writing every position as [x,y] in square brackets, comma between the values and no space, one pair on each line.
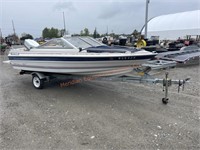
[111,49]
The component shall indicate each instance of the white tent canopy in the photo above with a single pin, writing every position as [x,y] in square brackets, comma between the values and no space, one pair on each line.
[176,25]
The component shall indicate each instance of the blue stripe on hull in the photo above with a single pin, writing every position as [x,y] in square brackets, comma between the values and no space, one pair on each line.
[79,58]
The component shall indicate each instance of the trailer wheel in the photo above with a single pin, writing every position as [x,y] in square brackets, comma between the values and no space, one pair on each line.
[37,82]
[165,100]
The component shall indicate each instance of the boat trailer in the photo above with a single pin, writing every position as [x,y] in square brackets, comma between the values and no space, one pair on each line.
[143,76]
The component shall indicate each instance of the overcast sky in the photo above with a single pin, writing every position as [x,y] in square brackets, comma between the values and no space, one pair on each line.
[121,16]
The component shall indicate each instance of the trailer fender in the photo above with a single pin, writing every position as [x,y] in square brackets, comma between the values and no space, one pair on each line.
[40,75]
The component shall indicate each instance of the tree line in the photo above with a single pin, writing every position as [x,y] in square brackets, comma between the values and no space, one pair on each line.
[56,33]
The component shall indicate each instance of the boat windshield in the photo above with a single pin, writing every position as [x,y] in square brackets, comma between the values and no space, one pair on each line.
[56,44]
[83,42]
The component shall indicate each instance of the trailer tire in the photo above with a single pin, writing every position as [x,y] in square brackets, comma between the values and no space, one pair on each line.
[165,100]
[37,82]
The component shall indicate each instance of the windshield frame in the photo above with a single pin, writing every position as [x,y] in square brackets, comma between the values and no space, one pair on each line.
[83,42]
[68,45]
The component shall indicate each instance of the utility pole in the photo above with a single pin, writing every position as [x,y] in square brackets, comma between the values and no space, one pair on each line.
[64,23]
[0,36]
[107,31]
[146,18]
[13,27]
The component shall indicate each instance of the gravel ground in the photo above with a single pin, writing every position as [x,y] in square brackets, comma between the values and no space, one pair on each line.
[98,115]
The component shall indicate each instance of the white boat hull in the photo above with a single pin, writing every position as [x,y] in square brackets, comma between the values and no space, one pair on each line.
[75,62]
[104,68]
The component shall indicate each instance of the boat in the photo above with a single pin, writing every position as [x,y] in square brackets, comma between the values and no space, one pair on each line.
[188,55]
[159,64]
[76,56]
